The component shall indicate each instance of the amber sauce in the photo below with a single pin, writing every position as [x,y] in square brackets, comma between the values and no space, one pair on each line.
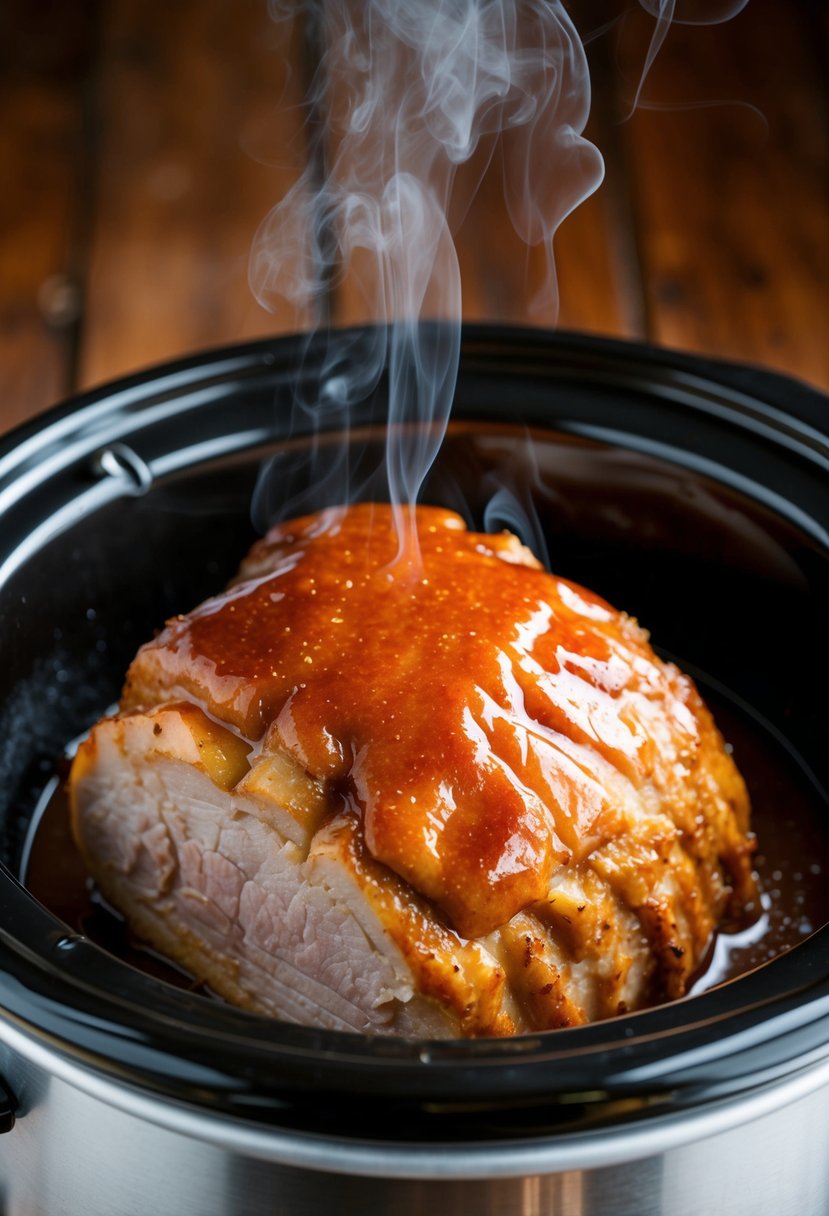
[467,725]
[792,863]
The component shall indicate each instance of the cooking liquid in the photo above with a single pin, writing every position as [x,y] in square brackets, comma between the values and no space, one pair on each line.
[789,819]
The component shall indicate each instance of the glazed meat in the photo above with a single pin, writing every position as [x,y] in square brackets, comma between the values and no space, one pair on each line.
[434,792]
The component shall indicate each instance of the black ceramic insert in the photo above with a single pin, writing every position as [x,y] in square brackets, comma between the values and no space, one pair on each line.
[692,493]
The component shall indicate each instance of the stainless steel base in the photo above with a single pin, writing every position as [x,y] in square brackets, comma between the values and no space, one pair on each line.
[82,1146]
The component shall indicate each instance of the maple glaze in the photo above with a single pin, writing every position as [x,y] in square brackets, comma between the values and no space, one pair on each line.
[792,864]
[489,721]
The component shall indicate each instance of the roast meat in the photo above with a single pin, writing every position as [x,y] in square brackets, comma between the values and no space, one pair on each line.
[400,779]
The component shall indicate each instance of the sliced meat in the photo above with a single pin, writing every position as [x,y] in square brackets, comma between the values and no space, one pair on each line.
[443,794]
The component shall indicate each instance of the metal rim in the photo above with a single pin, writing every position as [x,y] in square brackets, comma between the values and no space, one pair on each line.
[336,1155]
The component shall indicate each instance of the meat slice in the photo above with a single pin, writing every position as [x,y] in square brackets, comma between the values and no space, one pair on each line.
[438,792]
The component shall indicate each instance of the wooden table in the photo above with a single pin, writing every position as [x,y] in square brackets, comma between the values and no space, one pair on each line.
[142,143]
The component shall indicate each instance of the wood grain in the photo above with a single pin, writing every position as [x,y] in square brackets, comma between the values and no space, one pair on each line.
[45,59]
[507,281]
[199,135]
[597,255]
[732,195]
[592,280]
[142,144]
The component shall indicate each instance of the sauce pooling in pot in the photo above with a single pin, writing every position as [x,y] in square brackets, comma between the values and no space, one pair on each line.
[792,864]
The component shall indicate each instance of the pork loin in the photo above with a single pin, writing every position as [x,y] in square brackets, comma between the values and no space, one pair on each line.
[422,789]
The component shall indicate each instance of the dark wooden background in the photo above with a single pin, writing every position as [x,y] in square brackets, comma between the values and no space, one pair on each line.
[142,142]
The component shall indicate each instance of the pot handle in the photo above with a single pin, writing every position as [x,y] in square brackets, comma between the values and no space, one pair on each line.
[7,1108]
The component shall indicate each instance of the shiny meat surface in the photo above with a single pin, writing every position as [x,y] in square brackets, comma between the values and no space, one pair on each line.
[436,792]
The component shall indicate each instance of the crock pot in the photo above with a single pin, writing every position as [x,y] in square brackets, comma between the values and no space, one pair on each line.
[693,494]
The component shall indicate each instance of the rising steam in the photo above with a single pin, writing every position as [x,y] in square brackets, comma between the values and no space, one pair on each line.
[411,90]
[681,12]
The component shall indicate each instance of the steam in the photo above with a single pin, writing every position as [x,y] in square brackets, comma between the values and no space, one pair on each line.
[412,90]
[683,12]
[694,12]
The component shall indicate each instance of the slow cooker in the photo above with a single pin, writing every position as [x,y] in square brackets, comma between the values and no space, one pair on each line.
[693,494]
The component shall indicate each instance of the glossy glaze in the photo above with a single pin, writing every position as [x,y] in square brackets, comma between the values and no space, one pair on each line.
[792,862]
[490,723]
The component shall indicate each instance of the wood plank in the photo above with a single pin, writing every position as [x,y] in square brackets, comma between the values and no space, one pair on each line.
[505,281]
[199,136]
[733,197]
[597,253]
[45,53]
